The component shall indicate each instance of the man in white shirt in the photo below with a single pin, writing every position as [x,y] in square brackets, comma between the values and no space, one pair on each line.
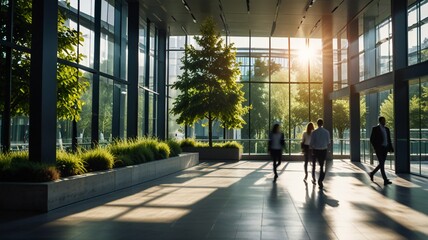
[320,141]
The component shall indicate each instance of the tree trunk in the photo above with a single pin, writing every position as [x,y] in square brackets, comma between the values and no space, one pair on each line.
[210,130]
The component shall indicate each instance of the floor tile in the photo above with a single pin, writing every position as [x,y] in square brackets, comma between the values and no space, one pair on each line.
[216,200]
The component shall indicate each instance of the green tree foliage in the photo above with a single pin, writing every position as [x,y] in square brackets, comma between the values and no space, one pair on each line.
[414,111]
[418,109]
[341,120]
[70,85]
[208,84]
[280,100]
[363,113]
[424,107]
[387,111]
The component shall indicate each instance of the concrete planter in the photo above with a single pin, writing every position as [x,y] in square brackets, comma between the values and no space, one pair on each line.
[216,153]
[50,195]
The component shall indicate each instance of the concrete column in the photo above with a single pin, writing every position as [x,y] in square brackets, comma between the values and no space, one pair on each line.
[133,65]
[43,81]
[354,97]
[161,81]
[96,76]
[401,87]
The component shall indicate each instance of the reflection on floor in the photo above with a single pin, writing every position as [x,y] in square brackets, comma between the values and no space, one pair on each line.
[240,201]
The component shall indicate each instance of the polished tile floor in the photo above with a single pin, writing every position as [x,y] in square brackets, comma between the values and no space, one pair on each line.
[240,201]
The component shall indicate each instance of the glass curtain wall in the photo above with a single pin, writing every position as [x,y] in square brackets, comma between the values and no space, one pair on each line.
[142,34]
[76,71]
[15,63]
[175,53]
[417,20]
[341,125]
[113,70]
[282,80]
[375,41]
[418,115]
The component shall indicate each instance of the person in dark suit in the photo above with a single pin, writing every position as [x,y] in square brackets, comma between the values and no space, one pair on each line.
[380,138]
[275,146]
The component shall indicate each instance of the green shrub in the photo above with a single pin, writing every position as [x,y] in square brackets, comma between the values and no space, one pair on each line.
[148,154]
[122,161]
[153,145]
[163,150]
[127,152]
[5,161]
[16,167]
[188,142]
[69,164]
[120,147]
[98,159]
[149,147]
[232,144]
[18,156]
[174,147]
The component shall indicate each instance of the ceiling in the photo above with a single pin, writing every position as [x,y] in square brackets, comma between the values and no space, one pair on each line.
[277,18]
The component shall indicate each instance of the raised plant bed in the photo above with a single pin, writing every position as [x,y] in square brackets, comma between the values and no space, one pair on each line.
[50,195]
[216,153]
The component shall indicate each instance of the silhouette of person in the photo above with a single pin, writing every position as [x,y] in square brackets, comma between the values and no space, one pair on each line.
[320,140]
[275,146]
[307,151]
[380,138]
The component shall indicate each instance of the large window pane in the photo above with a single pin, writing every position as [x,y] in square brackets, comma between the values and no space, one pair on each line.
[22,14]
[316,109]
[315,60]
[341,125]
[177,42]
[105,110]
[84,126]
[280,108]
[424,41]
[153,58]
[244,133]
[365,148]
[259,59]
[418,116]
[19,100]
[107,37]
[68,36]
[141,119]
[259,116]
[280,58]
[417,19]
[242,45]
[299,60]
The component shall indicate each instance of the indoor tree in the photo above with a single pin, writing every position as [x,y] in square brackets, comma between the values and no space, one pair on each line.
[208,87]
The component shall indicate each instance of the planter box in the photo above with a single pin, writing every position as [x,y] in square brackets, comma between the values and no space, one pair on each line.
[216,153]
[50,195]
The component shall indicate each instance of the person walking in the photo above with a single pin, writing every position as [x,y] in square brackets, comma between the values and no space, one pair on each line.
[320,141]
[380,138]
[275,146]
[307,151]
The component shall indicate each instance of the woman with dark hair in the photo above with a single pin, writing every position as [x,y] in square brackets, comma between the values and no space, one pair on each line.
[307,151]
[275,146]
